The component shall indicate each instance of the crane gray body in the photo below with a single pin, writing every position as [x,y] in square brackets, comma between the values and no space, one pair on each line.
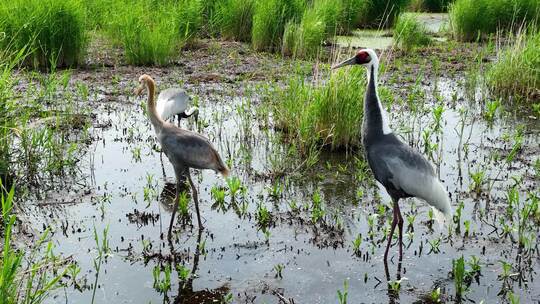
[399,168]
[184,149]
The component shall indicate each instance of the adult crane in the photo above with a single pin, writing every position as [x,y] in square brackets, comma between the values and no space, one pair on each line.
[184,149]
[402,170]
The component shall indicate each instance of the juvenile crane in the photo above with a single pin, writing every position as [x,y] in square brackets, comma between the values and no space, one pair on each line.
[399,168]
[174,101]
[183,148]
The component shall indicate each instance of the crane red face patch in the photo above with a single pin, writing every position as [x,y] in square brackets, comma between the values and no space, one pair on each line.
[362,57]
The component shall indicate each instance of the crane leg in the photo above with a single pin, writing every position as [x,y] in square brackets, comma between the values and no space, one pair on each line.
[179,118]
[175,208]
[196,200]
[180,175]
[392,229]
[400,227]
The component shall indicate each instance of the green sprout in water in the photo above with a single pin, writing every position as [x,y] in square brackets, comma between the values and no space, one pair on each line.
[491,110]
[435,295]
[458,272]
[342,295]
[162,284]
[278,268]
[219,196]
[356,244]
[235,185]
[183,202]
[478,180]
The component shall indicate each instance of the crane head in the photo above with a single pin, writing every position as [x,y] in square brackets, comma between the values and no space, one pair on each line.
[364,57]
[143,82]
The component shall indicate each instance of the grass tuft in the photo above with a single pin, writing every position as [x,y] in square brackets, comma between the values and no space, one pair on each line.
[326,113]
[153,39]
[52,31]
[517,74]
[319,21]
[409,33]
[381,13]
[476,19]
[269,20]
[234,18]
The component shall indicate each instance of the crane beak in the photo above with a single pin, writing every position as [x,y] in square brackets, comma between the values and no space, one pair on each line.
[349,61]
[138,91]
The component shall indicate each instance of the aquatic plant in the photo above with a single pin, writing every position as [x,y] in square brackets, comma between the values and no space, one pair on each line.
[381,13]
[35,282]
[52,32]
[269,21]
[477,19]
[342,295]
[218,194]
[320,20]
[155,38]
[322,113]
[162,284]
[103,249]
[235,185]
[515,75]
[409,33]
[356,244]
[234,19]
[278,268]
[458,272]
[490,110]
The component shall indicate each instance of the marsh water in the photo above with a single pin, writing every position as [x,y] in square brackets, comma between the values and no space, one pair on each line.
[124,184]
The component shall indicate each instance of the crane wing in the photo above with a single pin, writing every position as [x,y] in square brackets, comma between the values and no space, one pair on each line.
[404,169]
[171,102]
[190,149]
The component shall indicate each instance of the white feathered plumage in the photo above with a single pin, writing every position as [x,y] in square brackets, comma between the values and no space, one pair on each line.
[174,101]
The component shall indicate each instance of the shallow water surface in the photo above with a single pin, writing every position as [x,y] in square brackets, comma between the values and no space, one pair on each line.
[127,184]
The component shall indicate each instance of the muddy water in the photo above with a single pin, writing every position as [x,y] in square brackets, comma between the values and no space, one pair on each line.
[123,164]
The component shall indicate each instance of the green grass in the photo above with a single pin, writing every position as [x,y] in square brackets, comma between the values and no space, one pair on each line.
[381,13]
[436,6]
[477,19]
[319,22]
[517,72]
[409,33]
[53,31]
[234,18]
[269,20]
[433,6]
[325,113]
[30,280]
[351,15]
[154,39]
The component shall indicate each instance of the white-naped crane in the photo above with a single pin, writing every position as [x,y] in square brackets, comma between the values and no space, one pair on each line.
[402,170]
[175,101]
[184,149]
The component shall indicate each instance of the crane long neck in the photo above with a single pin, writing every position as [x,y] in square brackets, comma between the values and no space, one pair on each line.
[375,118]
[155,119]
